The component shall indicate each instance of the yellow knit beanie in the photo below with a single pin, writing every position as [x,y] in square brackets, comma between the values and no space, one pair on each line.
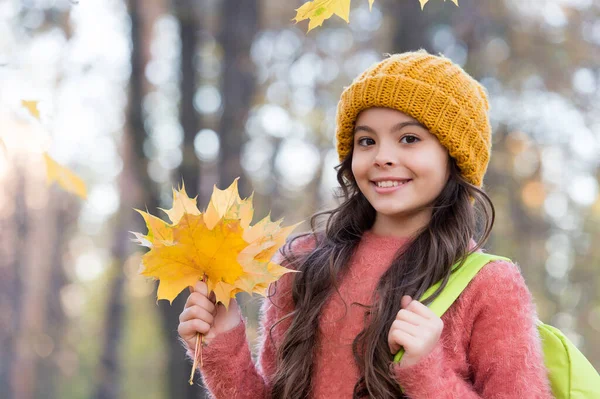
[433,90]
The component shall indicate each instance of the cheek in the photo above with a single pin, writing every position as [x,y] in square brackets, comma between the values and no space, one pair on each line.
[433,166]
[357,166]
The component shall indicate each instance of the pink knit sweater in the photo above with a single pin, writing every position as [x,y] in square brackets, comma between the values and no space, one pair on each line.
[489,347]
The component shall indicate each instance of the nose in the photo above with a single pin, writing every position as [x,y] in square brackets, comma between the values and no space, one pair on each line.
[383,157]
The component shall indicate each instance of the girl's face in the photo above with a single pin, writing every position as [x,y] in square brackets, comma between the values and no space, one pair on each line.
[399,167]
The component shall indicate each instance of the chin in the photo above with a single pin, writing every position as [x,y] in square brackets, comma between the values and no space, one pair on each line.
[392,211]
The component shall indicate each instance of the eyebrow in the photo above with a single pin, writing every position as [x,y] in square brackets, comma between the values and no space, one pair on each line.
[394,128]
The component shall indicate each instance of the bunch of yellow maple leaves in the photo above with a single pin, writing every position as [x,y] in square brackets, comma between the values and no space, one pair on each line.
[218,246]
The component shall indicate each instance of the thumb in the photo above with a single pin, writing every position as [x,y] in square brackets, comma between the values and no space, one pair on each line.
[406,300]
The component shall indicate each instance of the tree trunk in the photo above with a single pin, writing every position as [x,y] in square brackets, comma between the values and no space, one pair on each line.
[189,28]
[65,211]
[189,171]
[136,191]
[410,27]
[13,234]
[239,25]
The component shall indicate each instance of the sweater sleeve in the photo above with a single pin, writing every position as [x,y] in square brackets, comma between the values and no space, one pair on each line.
[504,351]
[228,370]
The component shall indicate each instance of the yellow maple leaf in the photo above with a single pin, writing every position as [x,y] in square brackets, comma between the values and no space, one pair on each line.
[423,2]
[32,108]
[64,177]
[218,246]
[181,204]
[55,172]
[317,11]
[227,204]
[158,230]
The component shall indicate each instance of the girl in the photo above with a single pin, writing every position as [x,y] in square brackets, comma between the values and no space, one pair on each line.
[413,137]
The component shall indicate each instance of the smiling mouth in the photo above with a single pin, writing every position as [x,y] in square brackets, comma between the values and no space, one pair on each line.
[390,184]
[390,189]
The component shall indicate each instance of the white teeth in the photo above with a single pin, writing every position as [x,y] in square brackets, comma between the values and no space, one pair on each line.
[389,183]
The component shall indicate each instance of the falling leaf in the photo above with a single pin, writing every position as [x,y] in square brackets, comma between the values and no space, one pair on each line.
[317,11]
[64,177]
[423,2]
[218,246]
[32,108]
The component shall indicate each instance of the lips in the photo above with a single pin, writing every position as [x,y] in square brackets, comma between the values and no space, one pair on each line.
[390,189]
[390,182]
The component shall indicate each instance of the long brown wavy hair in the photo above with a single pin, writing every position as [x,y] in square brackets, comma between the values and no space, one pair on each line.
[461,212]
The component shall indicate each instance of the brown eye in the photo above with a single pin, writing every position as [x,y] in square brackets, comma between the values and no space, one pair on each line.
[361,140]
[410,139]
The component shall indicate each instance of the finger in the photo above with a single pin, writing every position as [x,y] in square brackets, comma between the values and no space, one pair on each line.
[405,301]
[409,328]
[188,329]
[411,317]
[196,312]
[201,287]
[197,298]
[401,338]
[422,310]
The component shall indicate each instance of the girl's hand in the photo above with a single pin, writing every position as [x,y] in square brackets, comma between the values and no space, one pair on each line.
[417,329]
[201,315]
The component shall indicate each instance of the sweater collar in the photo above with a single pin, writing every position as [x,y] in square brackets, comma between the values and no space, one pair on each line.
[383,242]
[387,242]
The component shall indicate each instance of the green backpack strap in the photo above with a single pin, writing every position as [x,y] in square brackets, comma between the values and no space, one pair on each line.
[459,279]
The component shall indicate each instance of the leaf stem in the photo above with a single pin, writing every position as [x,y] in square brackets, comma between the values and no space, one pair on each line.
[195,359]
[199,340]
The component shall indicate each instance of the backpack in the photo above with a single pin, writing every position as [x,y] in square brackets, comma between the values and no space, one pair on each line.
[571,375]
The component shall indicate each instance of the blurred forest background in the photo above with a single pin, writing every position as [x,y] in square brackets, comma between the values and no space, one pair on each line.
[136,96]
